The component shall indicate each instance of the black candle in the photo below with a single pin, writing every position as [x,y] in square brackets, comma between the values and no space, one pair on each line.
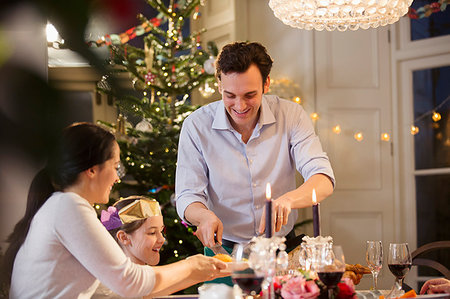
[268,229]
[316,214]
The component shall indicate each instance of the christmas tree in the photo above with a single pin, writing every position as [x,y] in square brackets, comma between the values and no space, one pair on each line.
[163,74]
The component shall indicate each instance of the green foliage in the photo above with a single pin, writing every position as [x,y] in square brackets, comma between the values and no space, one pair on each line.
[163,75]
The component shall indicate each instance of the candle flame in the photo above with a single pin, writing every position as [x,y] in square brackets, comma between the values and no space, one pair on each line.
[268,192]
[314,199]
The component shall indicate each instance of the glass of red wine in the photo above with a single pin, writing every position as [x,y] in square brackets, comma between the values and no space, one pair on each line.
[330,267]
[399,263]
[242,274]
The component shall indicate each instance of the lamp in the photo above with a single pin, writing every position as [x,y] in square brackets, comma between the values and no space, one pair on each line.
[339,14]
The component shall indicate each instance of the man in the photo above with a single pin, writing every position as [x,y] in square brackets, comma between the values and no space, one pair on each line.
[230,149]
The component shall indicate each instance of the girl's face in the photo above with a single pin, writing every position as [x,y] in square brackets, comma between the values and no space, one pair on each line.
[143,244]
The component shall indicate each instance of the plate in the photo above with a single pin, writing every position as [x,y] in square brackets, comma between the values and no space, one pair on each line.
[443,295]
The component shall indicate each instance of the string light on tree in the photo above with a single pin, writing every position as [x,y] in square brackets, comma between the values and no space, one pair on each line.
[385,137]
[414,130]
[358,136]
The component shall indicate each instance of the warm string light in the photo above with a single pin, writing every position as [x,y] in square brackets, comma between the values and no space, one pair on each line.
[337,129]
[385,137]
[358,136]
[314,116]
[435,116]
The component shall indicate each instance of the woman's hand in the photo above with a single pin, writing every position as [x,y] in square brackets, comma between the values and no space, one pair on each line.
[205,268]
[438,285]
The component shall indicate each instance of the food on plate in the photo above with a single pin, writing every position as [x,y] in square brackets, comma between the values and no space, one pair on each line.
[355,272]
[223,257]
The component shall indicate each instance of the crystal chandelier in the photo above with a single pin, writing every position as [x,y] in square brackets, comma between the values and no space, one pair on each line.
[339,14]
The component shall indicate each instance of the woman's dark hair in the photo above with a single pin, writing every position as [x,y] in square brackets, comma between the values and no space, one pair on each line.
[127,227]
[80,147]
[237,58]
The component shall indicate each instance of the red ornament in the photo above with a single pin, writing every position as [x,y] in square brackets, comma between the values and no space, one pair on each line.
[150,78]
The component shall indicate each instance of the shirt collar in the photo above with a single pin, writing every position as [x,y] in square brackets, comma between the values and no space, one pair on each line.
[221,121]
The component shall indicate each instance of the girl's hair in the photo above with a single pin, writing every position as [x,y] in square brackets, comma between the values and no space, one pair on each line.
[80,147]
[127,227]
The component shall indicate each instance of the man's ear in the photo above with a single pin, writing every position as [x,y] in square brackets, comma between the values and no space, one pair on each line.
[266,84]
[123,238]
[219,86]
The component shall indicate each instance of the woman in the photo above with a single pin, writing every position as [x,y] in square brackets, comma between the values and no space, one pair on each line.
[60,249]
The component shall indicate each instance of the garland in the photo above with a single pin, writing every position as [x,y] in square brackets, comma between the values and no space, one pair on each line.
[117,39]
[428,9]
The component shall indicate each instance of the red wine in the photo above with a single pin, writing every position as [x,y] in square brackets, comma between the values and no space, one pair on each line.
[399,270]
[248,282]
[330,279]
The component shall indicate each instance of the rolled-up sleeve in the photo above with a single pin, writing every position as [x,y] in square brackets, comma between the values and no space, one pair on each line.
[310,159]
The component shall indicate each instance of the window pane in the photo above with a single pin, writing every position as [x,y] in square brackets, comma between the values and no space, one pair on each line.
[433,217]
[432,143]
[437,24]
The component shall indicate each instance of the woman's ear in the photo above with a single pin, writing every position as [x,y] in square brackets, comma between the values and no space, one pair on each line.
[90,172]
[123,238]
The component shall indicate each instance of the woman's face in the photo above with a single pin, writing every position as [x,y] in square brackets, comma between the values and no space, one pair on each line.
[145,242]
[107,176]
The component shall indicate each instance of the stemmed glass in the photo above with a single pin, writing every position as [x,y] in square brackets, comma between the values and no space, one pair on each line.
[374,259]
[399,263]
[242,274]
[331,267]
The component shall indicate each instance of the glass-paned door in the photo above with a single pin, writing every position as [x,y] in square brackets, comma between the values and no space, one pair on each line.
[431,95]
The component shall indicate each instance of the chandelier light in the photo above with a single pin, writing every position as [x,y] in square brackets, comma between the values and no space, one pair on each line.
[339,14]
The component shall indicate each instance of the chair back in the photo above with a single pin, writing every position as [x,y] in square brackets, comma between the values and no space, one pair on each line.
[419,260]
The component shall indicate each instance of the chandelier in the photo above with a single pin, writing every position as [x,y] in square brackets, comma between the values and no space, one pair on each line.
[339,14]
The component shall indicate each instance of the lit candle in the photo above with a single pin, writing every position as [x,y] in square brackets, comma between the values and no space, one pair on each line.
[316,214]
[268,211]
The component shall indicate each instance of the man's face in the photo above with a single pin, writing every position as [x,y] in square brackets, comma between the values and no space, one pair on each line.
[242,96]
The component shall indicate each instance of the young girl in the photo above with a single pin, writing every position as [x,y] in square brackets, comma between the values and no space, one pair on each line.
[60,249]
[136,223]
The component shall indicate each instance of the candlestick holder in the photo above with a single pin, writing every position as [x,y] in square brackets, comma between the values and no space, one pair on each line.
[264,258]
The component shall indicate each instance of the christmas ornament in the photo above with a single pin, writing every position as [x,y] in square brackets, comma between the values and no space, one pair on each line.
[149,53]
[208,65]
[144,126]
[150,78]
[103,83]
[120,125]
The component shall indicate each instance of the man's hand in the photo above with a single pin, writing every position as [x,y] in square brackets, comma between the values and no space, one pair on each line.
[281,208]
[208,224]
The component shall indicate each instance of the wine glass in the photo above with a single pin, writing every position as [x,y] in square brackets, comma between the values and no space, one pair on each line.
[374,258]
[331,267]
[242,274]
[399,263]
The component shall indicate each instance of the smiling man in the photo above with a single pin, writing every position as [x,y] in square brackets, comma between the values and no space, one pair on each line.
[230,149]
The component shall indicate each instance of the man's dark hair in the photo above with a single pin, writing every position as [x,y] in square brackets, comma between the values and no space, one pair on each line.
[237,58]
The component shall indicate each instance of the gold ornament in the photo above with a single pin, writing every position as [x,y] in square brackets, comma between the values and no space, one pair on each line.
[120,125]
